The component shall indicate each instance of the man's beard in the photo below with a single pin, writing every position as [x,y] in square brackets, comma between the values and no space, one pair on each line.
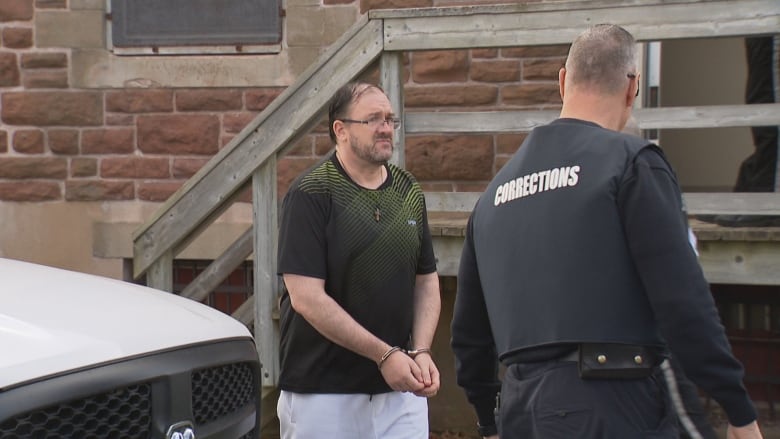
[370,152]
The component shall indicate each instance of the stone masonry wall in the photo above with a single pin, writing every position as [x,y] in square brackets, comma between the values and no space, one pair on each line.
[58,142]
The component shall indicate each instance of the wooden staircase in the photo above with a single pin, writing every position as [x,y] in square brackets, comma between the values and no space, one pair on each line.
[384,36]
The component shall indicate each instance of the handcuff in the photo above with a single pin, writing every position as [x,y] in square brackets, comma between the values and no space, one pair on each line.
[415,352]
[411,352]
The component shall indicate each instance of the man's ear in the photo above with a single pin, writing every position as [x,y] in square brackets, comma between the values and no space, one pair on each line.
[339,129]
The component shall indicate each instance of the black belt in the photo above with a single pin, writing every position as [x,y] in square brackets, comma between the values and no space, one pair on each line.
[595,360]
[617,361]
[571,356]
[560,352]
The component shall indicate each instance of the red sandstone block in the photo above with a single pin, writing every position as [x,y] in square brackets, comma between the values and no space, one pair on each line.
[451,95]
[29,141]
[495,71]
[139,101]
[157,190]
[440,66]
[45,79]
[209,100]
[16,10]
[17,37]
[186,167]
[484,53]
[542,69]
[22,168]
[178,134]
[442,157]
[535,51]
[135,167]
[108,141]
[118,119]
[533,94]
[30,191]
[303,148]
[99,190]
[508,144]
[63,141]
[322,145]
[235,122]
[83,167]
[44,60]
[55,108]
[9,70]
[257,100]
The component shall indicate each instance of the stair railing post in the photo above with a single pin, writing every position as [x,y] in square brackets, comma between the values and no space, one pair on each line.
[160,273]
[391,81]
[264,203]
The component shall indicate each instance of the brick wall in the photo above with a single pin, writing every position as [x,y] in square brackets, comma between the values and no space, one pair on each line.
[58,142]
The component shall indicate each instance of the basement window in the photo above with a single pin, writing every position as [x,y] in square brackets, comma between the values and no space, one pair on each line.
[194,27]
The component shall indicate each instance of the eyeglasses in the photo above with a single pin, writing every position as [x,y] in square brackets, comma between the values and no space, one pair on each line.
[633,76]
[376,121]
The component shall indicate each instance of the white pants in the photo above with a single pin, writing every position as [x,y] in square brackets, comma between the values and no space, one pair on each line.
[357,416]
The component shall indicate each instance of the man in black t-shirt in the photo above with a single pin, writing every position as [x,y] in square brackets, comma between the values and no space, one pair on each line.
[362,300]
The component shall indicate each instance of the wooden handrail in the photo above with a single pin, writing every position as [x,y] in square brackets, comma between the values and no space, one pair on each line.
[647,118]
[544,23]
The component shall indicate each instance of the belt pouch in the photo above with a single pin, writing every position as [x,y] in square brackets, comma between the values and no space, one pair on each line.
[615,361]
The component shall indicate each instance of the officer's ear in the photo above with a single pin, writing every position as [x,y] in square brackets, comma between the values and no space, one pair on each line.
[561,81]
[632,92]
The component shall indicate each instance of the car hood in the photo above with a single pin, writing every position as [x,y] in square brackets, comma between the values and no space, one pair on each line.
[54,320]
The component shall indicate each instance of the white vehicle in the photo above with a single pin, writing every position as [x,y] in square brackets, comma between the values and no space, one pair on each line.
[83,356]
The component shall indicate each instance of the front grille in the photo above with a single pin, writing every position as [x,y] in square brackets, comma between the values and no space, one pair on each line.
[142,397]
[219,391]
[122,413]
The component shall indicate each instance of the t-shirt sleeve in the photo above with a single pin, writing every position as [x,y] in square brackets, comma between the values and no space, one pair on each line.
[302,241]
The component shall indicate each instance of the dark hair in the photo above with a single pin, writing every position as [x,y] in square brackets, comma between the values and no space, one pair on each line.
[343,100]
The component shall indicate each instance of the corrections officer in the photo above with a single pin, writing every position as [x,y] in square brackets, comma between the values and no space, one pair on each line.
[577,275]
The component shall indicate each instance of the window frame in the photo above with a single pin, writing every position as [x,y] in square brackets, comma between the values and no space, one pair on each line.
[252,39]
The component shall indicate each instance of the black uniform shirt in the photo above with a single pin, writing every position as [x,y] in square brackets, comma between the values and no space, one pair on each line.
[655,228]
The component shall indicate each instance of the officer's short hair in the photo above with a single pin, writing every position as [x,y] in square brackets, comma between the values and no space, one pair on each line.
[602,57]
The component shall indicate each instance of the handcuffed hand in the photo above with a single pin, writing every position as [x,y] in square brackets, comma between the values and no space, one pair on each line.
[402,373]
[429,375]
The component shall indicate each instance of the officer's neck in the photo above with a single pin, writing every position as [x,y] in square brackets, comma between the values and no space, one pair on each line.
[606,111]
